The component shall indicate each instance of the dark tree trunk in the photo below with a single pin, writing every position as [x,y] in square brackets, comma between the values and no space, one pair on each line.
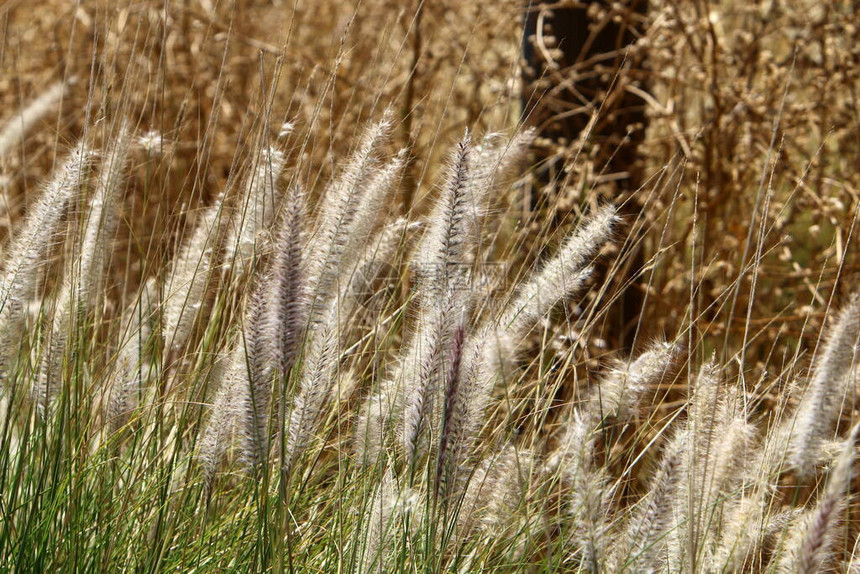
[581,67]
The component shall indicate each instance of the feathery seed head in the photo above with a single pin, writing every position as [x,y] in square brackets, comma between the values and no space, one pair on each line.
[830,386]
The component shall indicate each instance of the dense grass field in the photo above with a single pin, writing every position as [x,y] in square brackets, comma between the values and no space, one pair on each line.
[306,287]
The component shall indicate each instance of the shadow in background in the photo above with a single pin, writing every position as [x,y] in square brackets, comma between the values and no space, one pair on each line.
[581,70]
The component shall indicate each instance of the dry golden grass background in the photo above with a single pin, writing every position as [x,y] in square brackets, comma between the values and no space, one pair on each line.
[751,160]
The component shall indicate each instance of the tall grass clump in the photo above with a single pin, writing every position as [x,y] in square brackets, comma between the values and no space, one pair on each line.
[352,328]
[276,424]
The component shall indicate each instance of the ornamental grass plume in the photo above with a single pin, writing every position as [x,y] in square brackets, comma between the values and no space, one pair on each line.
[275,327]
[562,275]
[346,218]
[185,288]
[80,293]
[829,392]
[320,367]
[133,367]
[809,547]
[256,210]
[225,414]
[286,313]
[380,524]
[22,272]
[496,491]
[646,529]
